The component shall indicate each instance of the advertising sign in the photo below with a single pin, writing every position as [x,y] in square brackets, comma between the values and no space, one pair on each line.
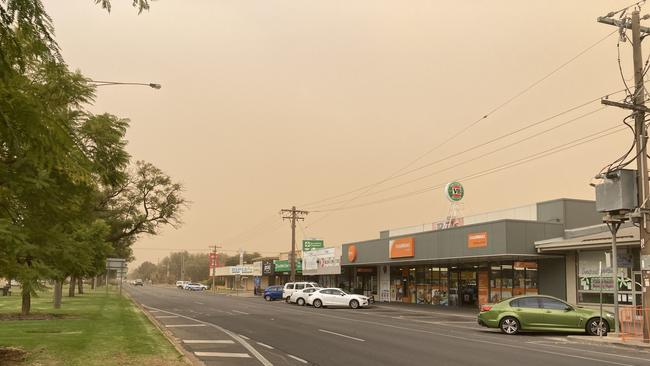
[477,240]
[322,261]
[454,191]
[401,248]
[312,244]
[246,269]
[283,265]
[267,268]
[352,253]
[214,260]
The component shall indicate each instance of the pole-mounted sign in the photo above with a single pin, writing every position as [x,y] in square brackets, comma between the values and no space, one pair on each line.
[454,191]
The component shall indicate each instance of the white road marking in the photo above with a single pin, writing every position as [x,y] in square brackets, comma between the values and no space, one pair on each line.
[166,316]
[297,358]
[265,345]
[243,336]
[540,343]
[428,312]
[240,312]
[199,303]
[208,341]
[222,354]
[234,336]
[342,335]
[184,325]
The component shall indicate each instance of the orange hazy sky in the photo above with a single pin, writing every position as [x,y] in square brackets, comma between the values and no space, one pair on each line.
[267,104]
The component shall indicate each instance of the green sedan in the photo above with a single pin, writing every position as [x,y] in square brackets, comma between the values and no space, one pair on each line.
[543,313]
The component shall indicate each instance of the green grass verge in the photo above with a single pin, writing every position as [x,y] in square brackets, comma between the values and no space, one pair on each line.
[90,329]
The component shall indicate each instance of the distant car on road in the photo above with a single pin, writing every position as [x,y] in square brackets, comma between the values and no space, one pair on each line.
[290,287]
[273,293]
[181,284]
[543,313]
[337,297]
[195,287]
[300,296]
[138,282]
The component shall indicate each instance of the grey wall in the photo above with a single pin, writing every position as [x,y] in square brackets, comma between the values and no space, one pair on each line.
[571,212]
[504,237]
[552,277]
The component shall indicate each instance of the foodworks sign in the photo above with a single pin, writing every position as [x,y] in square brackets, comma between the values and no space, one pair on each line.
[322,261]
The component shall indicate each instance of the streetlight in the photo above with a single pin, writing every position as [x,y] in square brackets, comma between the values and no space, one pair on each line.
[106,83]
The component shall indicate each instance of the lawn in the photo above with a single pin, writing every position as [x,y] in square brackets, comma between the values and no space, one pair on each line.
[89,329]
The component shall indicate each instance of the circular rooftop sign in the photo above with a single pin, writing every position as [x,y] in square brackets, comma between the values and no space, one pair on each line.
[454,191]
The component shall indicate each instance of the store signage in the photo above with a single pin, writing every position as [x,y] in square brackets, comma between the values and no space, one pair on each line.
[241,270]
[267,268]
[477,240]
[283,265]
[214,260]
[352,253]
[401,248]
[454,191]
[312,244]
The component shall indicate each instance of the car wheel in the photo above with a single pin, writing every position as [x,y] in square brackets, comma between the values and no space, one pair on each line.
[354,304]
[318,303]
[267,297]
[287,299]
[509,325]
[301,301]
[593,325]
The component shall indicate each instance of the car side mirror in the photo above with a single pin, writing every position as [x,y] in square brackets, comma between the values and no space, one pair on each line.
[568,308]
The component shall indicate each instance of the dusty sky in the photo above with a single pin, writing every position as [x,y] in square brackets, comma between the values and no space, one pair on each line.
[267,104]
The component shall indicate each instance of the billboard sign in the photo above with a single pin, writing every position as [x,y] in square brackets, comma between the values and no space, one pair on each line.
[322,261]
[454,191]
[267,268]
[312,244]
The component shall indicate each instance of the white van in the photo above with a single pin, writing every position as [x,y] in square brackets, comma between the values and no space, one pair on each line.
[290,287]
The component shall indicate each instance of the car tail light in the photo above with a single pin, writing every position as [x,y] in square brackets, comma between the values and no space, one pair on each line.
[486,308]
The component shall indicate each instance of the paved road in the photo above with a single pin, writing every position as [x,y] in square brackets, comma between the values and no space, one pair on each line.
[228,330]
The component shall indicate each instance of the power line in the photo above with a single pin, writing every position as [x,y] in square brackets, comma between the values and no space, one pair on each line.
[466,128]
[508,165]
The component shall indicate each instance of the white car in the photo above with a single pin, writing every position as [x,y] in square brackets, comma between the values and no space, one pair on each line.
[181,284]
[337,297]
[300,296]
[290,287]
[195,287]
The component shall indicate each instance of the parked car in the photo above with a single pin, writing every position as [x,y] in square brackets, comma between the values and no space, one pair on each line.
[543,313]
[300,296]
[273,293]
[336,297]
[195,287]
[138,282]
[181,284]
[290,287]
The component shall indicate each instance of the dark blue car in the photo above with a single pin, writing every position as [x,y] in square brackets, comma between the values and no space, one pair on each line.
[273,293]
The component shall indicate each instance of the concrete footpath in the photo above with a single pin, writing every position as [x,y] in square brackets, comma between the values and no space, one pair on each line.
[611,339]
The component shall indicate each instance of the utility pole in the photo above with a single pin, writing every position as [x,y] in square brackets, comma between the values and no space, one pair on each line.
[213,263]
[639,108]
[294,215]
[182,266]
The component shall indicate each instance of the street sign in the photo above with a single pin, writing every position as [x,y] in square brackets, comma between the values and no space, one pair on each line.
[115,263]
[312,244]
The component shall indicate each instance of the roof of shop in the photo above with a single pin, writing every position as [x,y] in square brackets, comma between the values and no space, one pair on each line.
[626,236]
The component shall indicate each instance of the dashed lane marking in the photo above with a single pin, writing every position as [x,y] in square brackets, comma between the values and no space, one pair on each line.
[222,354]
[240,312]
[342,335]
[198,303]
[184,325]
[265,345]
[243,336]
[166,316]
[208,341]
[297,358]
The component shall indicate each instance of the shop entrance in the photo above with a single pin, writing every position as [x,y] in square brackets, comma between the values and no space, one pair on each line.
[463,283]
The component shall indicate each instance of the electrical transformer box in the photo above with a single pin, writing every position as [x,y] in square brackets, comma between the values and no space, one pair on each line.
[618,192]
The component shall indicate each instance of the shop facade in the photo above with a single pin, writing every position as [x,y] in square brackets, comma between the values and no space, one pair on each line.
[590,248]
[468,265]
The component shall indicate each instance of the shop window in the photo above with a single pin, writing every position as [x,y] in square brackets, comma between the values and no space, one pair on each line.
[495,284]
[590,283]
[443,294]
[531,279]
[507,281]
[421,285]
[519,284]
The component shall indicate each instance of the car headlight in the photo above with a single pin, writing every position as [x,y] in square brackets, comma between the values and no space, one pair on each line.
[609,315]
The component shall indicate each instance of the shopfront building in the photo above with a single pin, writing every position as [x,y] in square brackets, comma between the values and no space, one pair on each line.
[468,265]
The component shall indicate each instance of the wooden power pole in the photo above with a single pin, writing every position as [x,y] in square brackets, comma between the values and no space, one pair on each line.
[294,215]
[639,109]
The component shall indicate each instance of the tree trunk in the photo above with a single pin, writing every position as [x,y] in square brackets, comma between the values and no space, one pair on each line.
[27,301]
[72,286]
[80,282]
[58,293]
[94,283]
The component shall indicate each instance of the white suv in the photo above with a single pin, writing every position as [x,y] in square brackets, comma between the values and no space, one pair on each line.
[290,287]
